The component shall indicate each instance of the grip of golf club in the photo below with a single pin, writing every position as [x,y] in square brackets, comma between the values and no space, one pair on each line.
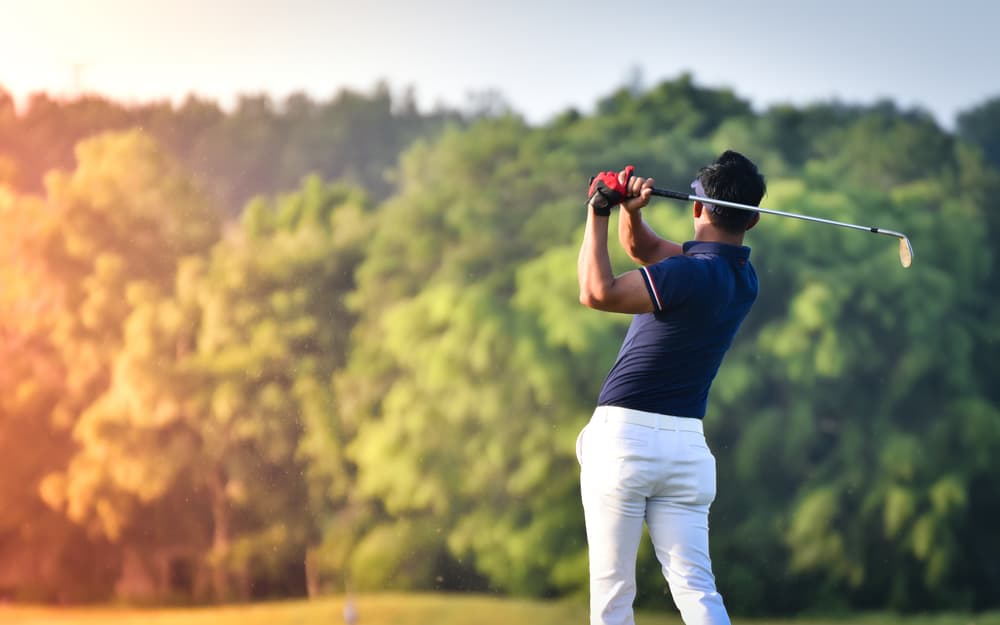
[671,194]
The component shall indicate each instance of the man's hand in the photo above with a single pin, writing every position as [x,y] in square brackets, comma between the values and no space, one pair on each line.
[599,288]
[608,189]
[639,190]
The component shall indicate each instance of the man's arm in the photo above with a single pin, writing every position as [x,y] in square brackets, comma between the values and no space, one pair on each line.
[599,288]
[641,243]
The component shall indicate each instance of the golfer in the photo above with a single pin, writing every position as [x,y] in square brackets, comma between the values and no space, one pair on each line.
[643,455]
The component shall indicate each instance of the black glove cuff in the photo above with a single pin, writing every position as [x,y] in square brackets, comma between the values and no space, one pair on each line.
[604,199]
[600,206]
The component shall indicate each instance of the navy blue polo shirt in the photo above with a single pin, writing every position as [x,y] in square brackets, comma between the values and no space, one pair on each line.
[671,355]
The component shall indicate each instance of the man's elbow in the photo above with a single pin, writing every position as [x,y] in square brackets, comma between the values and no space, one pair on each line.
[592,298]
[634,251]
[636,257]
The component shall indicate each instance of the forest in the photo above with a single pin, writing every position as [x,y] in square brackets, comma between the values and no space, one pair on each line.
[301,347]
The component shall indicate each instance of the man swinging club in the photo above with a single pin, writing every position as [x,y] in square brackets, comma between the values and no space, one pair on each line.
[643,455]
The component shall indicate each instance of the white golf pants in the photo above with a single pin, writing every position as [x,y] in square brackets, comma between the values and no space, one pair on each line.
[639,466]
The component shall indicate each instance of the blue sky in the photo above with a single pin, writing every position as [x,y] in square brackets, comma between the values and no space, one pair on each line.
[542,56]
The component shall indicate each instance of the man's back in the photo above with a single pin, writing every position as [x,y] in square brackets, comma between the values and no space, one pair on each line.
[670,356]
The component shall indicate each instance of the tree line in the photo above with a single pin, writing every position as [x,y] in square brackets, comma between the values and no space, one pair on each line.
[262,146]
[371,377]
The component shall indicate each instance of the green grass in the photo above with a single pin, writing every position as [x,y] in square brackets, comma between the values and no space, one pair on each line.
[409,609]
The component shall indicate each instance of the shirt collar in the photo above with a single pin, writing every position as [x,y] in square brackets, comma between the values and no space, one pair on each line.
[737,252]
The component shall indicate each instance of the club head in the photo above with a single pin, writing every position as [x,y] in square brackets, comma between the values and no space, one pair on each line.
[905,252]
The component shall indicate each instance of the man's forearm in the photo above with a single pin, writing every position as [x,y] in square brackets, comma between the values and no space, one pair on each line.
[633,234]
[594,265]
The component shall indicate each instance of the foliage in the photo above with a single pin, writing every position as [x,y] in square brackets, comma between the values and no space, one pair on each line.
[260,147]
[981,127]
[376,383]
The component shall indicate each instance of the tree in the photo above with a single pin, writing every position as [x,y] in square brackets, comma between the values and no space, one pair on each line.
[220,397]
[980,126]
[452,384]
[116,225]
[263,146]
[44,555]
[854,420]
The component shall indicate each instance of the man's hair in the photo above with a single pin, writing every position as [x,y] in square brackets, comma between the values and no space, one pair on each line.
[732,178]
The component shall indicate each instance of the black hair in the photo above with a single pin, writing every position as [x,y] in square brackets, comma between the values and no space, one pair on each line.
[733,178]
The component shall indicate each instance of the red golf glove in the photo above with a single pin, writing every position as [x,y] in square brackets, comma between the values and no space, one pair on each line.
[606,190]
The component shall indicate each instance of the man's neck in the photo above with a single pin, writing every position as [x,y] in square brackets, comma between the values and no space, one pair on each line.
[715,235]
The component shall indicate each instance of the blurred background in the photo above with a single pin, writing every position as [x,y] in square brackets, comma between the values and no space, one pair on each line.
[288,299]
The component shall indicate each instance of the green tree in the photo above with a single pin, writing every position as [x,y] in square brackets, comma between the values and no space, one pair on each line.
[459,402]
[858,383]
[980,126]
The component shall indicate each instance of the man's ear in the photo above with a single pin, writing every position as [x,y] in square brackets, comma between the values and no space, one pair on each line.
[698,207]
[753,221]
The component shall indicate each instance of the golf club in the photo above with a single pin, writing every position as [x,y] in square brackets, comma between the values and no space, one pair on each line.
[905,249]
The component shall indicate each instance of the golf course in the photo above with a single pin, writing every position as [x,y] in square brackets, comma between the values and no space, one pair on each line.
[687,342]
[416,609]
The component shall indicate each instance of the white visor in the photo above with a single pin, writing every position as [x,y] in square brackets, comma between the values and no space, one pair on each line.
[721,211]
[700,192]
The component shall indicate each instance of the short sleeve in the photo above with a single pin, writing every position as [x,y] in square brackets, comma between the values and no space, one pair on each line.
[669,282]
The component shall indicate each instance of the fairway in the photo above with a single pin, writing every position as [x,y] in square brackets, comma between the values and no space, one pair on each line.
[408,609]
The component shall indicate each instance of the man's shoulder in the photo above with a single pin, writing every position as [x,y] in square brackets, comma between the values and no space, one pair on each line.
[676,262]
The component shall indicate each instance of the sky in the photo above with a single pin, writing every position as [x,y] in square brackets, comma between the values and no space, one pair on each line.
[542,56]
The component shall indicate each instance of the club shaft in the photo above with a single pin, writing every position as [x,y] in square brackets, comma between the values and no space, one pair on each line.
[704,200]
